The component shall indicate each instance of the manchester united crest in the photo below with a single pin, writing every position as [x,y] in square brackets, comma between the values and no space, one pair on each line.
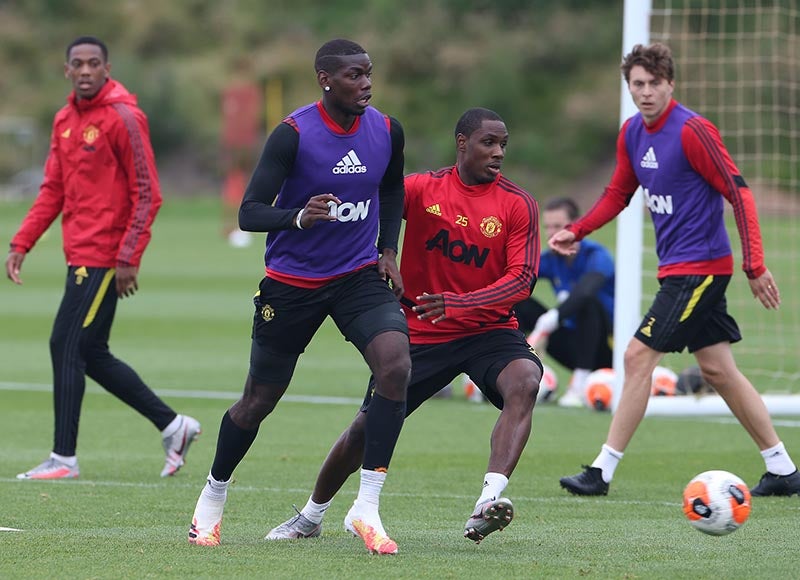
[491,226]
[90,134]
[267,312]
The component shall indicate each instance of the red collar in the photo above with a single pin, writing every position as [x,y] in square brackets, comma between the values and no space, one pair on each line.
[661,121]
[333,125]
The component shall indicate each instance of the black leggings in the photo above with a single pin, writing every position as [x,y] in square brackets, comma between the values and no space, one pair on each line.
[79,348]
[585,345]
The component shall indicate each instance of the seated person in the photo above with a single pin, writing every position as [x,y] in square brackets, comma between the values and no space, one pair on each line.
[578,331]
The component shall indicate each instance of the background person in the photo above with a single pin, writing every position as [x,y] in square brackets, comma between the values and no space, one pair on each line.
[101,177]
[686,173]
[578,331]
[242,105]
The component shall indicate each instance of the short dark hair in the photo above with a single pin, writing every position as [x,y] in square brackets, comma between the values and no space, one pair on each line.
[89,40]
[328,55]
[566,203]
[472,119]
[655,59]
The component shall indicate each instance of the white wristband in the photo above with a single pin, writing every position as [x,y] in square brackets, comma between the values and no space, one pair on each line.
[297,219]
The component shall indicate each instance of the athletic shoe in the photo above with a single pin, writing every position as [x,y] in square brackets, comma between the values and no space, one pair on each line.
[51,469]
[295,528]
[570,399]
[176,446]
[369,528]
[206,522]
[588,482]
[490,516]
[772,484]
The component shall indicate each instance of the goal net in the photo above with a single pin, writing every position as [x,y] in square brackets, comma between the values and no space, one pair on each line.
[738,64]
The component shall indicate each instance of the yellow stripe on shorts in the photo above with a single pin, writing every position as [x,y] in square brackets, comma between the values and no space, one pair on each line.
[98,298]
[696,297]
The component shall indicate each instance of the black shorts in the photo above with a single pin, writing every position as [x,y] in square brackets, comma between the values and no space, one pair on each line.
[361,304]
[688,311]
[482,357]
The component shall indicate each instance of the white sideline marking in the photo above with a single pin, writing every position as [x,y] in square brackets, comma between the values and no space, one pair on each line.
[229,395]
[734,421]
[561,498]
[312,399]
[273,490]
[2,529]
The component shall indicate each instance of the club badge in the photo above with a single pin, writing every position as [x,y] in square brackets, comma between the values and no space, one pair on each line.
[491,226]
[267,312]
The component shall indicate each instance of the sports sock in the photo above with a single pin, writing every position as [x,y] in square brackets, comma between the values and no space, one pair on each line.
[232,445]
[493,486]
[214,489]
[607,461]
[173,427]
[365,508]
[384,422]
[778,461]
[314,511]
[70,460]
[369,490]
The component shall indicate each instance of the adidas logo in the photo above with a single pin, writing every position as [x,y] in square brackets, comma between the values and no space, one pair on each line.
[649,160]
[434,209]
[350,163]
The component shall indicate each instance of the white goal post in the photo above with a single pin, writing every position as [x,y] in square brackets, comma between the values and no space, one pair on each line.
[737,64]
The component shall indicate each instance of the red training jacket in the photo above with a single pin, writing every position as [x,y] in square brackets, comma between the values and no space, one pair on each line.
[101,176]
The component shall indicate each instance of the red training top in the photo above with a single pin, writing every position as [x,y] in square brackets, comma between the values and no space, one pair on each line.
[101,176]
[477,245]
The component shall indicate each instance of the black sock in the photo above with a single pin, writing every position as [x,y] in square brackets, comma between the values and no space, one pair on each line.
[384,422]
[232,445]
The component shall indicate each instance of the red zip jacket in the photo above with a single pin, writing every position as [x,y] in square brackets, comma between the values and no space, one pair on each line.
[101,176]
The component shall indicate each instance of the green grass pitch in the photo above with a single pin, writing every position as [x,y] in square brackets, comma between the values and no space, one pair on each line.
[187,334]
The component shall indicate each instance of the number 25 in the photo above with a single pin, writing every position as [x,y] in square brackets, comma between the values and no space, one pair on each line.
[462,220]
